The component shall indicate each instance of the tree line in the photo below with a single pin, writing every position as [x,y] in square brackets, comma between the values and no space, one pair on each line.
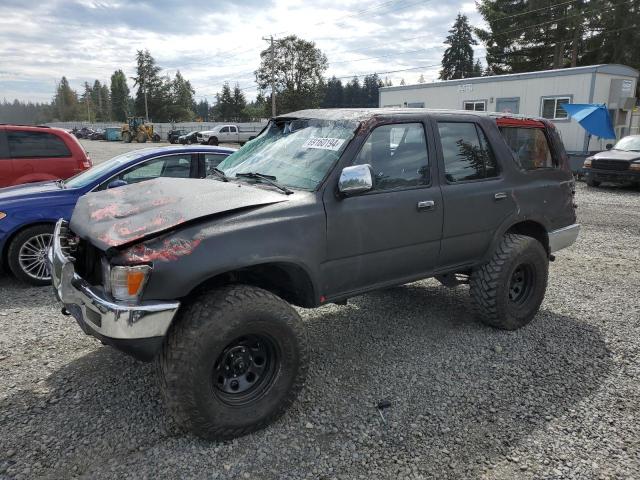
[521,36]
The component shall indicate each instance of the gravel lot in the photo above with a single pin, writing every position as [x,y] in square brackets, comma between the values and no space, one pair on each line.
[557,399]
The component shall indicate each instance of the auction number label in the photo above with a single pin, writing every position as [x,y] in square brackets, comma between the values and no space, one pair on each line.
[324,143]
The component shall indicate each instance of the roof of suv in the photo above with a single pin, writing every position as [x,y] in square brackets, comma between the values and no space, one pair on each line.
[360,114]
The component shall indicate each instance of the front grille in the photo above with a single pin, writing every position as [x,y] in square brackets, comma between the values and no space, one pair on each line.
[617,165]
[88,262]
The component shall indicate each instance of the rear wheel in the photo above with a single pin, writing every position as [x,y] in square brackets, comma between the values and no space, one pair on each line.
[509,289]
[141,137]
[27,255]
[233,362]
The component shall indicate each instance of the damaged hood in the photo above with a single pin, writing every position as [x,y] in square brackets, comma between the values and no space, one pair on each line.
[119,216]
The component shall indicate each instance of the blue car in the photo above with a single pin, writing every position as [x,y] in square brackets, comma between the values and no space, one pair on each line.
[28,212]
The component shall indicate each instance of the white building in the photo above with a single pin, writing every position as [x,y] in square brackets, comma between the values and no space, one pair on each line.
[537,94]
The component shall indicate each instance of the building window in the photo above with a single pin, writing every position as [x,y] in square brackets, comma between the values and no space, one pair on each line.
[475,105]
[552,109]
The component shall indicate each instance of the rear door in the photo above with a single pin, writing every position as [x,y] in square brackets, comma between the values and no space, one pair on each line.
[475,194]
[391,233]
[39,155]
[6,165]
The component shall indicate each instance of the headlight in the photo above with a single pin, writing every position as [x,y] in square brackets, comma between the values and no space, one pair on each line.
[587,162]
[635,167]
[2,215]
[127,283]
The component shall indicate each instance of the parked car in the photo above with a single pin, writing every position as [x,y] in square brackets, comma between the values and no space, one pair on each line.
[33,154]
[28,212]
[188,138]
[227,134]
[325,205]
[618,164]
[97,134]
[174,135]
[84,132]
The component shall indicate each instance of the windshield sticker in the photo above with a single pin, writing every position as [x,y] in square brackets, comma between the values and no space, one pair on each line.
[324,143]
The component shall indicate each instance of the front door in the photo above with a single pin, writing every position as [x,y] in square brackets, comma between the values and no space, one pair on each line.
[391,233]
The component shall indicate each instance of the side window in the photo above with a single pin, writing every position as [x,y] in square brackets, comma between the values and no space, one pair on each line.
[530,147]
[552,108]
[224,130]
[233,129]
[211,161]
[475,105]
[36,144]
[398,155]
[466,152]
[174,166]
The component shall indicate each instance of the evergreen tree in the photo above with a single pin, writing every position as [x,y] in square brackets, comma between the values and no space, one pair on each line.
[239,104]
[65,102]
[370,87]
[477,69]
[153,97]
[181,108]
[421,78]
[402,82]
[202,110]
[457,61]
[119,96]
[224,108]
[334,94]
[353,93]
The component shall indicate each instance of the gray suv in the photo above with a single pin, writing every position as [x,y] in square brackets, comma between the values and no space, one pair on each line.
[324,205]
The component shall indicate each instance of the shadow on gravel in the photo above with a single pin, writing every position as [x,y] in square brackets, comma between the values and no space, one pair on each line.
[462,396]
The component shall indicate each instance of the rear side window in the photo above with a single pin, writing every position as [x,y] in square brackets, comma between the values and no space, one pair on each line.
[398,155]
[466,152]
[36,144]
[530,147]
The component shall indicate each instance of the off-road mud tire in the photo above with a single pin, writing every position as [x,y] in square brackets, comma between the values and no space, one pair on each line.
[205,328]
[490,284]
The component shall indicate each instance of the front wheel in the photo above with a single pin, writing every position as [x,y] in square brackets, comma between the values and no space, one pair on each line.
[213,141]
[593,182]
[233,362]
[27,255]
[509,289]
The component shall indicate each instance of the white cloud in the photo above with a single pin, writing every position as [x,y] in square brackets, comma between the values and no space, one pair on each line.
[213,42]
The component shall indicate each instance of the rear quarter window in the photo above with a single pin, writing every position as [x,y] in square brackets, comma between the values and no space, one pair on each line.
[530,147]
[27,144]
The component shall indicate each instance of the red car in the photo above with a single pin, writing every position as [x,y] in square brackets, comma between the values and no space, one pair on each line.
[33,154]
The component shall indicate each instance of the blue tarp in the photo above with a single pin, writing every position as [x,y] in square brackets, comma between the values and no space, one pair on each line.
[594,118]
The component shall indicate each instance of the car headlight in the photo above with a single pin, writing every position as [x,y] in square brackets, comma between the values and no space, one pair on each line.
[635,167]
[587,162]
[127,283]
[2,215]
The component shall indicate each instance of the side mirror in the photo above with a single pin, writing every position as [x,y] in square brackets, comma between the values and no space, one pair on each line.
[116,184]
[609,146]
[355,179]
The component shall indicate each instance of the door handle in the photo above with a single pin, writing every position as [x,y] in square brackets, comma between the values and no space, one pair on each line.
[500,196]
[426,205]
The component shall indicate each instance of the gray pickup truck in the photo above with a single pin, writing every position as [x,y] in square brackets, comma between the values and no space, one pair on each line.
[200,275]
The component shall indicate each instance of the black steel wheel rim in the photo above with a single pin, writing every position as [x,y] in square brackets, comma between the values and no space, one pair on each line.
[245,369]
[521,283]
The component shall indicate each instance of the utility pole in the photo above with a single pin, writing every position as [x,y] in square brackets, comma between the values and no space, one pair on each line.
[273,76]
[146,107]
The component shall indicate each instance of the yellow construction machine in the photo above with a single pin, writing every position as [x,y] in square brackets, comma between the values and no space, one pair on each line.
[137,129]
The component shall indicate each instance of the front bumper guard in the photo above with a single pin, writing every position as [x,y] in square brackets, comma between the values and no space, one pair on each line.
[96,313]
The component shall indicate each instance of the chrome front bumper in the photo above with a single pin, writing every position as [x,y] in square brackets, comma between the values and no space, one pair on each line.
[95,312]
[563,237]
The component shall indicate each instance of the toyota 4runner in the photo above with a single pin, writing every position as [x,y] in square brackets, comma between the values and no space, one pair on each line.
[199,275]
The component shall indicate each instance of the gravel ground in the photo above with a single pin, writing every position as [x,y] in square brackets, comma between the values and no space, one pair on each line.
[100,150]
[557,399]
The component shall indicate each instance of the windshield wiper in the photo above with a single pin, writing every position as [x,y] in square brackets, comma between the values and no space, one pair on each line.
[220,174]
[270,179]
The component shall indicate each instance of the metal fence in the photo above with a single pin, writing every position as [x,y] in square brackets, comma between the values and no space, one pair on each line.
[161,128]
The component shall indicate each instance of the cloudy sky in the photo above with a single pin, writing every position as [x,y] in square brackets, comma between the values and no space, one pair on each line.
[213,41]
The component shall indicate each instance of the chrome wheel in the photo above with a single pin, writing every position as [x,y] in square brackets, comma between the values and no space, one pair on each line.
[32,257]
